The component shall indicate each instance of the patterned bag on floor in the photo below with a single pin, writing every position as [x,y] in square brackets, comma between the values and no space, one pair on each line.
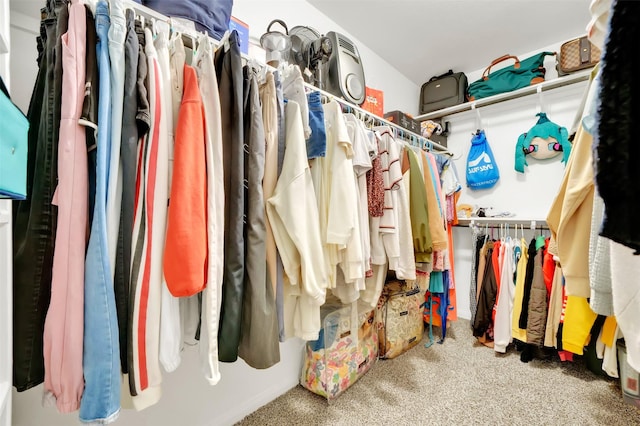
[399,318]
[336,360]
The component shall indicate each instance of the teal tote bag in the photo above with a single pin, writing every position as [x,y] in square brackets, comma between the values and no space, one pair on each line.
[14,127]
[520,74]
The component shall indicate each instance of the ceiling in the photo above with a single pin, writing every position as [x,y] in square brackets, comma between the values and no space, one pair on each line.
[423,38]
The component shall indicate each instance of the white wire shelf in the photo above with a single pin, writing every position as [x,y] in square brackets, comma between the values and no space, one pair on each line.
[502,97]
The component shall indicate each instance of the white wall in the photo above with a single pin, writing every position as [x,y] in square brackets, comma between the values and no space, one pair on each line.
[400,93]
[24,30]
[528,195]
[187,399]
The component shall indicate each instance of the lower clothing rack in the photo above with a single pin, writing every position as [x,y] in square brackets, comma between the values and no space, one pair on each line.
[495,222]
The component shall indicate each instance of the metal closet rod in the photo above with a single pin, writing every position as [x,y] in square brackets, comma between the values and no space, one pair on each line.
[494,222]
[152,14]
[380,119]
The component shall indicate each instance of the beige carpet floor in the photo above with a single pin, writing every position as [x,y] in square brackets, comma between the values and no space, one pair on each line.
[460,383]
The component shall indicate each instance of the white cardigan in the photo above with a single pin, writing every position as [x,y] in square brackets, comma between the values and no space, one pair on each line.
[293,213]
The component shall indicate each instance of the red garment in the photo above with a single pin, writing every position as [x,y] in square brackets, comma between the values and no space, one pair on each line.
[495,261]
[185,254]
[565,356]
[548,268]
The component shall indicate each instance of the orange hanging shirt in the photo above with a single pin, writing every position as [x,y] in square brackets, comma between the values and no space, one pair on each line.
[185,254]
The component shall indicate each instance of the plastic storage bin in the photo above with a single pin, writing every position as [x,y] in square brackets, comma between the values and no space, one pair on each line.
[629,378]
[335,361]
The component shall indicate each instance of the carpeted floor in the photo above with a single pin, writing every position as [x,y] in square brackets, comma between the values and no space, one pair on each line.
[460,382]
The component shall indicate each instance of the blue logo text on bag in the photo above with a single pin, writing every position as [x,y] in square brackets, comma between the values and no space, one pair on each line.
[482,170]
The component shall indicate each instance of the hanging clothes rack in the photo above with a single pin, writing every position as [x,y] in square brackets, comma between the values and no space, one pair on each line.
[405,134]
[496,222]
[424,142]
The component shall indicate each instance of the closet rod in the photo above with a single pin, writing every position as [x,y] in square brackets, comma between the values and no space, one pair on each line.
[152,14]
[497,221]
[377,118]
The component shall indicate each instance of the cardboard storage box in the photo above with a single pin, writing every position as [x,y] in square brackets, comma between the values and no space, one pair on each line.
[403,120]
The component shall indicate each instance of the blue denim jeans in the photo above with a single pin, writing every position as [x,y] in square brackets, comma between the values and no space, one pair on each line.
[317,143]
[101,358]
[117,34]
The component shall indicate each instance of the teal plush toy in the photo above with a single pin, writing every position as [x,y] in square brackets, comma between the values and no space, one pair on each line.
[544,140]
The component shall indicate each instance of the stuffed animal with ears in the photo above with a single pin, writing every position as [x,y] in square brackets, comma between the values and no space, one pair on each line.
[544,140]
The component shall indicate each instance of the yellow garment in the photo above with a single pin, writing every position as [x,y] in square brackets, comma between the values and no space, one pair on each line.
[569,218]
[438,232]
[609,331]
[521,270]
[578,320]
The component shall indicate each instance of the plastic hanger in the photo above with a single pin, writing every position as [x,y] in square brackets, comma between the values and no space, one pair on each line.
[478,118]
[540,99]
[140,18]
[224,41]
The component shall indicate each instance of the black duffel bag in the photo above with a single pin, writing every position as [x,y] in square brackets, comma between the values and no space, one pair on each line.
[443,91]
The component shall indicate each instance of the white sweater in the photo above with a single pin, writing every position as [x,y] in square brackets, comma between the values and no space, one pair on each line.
[293,214]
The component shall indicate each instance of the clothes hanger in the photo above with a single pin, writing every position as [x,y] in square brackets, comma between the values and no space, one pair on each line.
[541,108]
[140,18]
[478,118]
[224,41]
[154,29]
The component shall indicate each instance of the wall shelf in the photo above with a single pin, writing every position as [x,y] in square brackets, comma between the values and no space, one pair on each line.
[502,97]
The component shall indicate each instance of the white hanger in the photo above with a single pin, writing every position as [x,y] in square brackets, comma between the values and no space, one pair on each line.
[224,41]
[478,117]
[540,99]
